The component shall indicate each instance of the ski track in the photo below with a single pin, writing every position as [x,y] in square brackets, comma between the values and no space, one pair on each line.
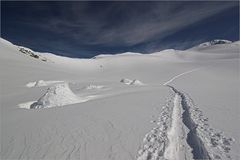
[183,132]
[155,142]
[177,147]
[179,75]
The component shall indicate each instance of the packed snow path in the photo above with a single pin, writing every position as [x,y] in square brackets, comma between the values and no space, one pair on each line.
[198,149]
[177,147]
[183,132]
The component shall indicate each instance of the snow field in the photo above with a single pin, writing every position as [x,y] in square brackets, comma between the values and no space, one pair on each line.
[97,130]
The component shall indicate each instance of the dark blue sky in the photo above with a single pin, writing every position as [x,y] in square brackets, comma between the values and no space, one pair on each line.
[85,29]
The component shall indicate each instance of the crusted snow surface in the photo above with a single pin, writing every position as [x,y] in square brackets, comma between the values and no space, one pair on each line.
[41,83]
[57,95]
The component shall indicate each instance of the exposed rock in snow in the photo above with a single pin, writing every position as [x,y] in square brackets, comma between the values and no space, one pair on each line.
[214,42]
[31,53]
[58,95]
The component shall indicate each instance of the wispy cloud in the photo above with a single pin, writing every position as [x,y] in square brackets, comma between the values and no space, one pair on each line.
[116,24]
[128,24]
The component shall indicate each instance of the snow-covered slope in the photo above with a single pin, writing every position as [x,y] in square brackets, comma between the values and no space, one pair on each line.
[177,104]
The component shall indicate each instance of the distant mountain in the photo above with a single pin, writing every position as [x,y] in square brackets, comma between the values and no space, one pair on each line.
[214,42]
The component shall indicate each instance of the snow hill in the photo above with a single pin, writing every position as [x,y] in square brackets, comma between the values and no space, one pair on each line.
[170,104]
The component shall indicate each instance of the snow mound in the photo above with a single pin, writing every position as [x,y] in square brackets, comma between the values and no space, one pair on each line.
[91,86]
[57,95]
[126,81]
[41,83]
[214,42]
[136,82]
[131,82]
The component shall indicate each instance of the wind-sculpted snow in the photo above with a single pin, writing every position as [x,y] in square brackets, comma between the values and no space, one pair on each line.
[57,95]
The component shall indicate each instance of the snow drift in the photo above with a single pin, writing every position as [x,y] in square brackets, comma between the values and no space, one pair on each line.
[57,95]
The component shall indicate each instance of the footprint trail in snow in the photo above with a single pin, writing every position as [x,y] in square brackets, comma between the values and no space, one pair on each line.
[182,132]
